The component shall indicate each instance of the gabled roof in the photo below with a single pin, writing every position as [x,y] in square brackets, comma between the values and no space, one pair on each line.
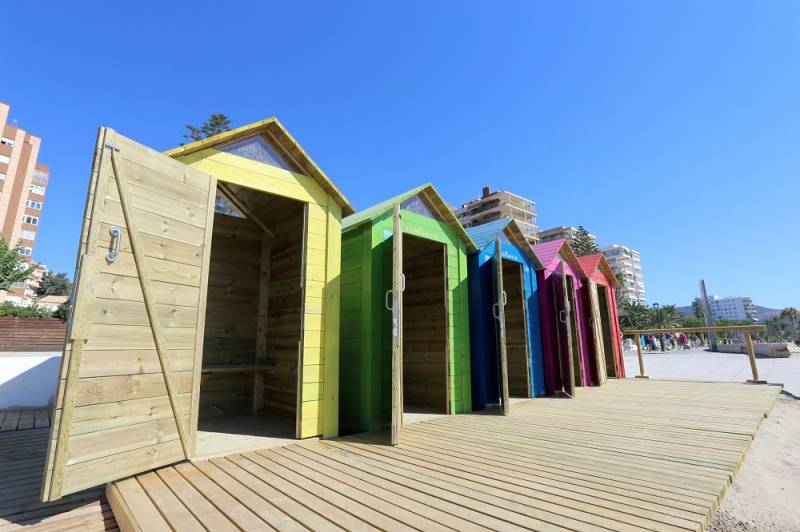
[550,250]
[485,235]
[278,135]
[598,262]
[432,200]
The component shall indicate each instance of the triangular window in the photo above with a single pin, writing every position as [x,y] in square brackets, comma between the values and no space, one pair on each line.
[417,205]
[258,149]
[223,206]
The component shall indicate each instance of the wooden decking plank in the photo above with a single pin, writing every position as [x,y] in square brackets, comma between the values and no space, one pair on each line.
[10,420]
[26,418]
[293,508]
[542,505]
[622,500]
[262,508]
[176,514]
[311,501]
[383,500]
[132,507]
[277,465]
[205,512]
[239,514]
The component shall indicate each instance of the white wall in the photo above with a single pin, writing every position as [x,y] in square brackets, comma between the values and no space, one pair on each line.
[28,379]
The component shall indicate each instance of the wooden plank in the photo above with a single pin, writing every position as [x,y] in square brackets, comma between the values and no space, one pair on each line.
[263,317]
[500,299]
[398,286]
[168,504]
[205,512]
[11,420]
[133,509]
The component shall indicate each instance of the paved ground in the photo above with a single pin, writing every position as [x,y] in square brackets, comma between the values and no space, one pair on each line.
[705,365]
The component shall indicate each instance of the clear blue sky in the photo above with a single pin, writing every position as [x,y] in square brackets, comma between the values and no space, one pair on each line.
[672,127]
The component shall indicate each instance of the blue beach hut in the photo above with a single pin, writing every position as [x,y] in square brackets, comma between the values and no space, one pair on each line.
[504,316]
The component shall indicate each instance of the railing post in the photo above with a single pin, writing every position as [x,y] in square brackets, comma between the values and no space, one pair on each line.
[751,354]
[638,341]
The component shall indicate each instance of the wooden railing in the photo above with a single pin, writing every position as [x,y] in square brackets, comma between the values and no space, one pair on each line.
[32,334]
[746,330]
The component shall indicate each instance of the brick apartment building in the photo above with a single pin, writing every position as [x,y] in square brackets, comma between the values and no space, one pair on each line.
[23,184]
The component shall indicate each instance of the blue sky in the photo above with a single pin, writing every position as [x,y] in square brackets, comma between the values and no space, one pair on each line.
[671,127]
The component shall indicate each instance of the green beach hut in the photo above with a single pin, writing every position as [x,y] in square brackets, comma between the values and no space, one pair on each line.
[405,315]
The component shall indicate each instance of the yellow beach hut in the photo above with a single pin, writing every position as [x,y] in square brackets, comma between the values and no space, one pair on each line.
[206,313]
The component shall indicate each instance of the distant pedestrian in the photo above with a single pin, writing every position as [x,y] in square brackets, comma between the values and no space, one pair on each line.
[683,341]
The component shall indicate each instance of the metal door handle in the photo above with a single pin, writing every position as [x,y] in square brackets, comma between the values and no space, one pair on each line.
[505,298]
[496,310]
[562,316]
[116,242]
[386,301]
[403,278]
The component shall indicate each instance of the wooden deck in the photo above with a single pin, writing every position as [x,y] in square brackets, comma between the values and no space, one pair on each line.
[22,455]
[631,455]
[24,419]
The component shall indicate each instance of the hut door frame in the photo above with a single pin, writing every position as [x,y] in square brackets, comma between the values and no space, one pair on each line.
[499,313]
[565,332]
[398,285]
[596,323]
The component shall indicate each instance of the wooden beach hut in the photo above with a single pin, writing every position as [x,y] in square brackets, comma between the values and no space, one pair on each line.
[405,312]
[566,360]
[505,336]
[599,298]
[206,314]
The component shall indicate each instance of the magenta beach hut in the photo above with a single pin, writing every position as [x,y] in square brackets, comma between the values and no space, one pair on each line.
[566,358]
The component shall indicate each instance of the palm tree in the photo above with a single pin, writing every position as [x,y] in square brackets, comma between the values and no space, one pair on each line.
[791,314]
[633,315]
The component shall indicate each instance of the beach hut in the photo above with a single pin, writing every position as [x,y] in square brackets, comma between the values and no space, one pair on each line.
[505,337]
[601,319]
[405,312]
[566,360]
[206,315]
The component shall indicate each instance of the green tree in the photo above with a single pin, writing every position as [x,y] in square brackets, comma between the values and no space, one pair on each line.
[670,317]
[582,243]
[217,123]
[791,314]
[697,309]
[633,315]
[54,284]
[13,268]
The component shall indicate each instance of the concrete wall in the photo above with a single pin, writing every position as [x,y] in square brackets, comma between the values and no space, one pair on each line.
[28,379]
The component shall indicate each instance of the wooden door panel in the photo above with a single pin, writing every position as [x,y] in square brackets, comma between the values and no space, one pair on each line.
[130,360]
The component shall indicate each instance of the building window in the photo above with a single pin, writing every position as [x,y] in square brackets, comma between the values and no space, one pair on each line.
[26,251]
[4,159]
[36,189]
[33,204]
[28,219]
[5,141]
[27,234]
[2,176]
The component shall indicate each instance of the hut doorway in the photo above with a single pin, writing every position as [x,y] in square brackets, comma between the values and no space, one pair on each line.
[607,330]
[516,330]
[425,369]
[252,344]
[567,331]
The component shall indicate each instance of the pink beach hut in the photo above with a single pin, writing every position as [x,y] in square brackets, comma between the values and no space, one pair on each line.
[565,342]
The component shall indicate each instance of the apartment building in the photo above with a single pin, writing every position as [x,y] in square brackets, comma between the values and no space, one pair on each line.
[23,185]
[626,261]
[561,232]
[732,308]
[498,204]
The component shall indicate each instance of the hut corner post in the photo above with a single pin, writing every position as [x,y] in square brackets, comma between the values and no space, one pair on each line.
[638,342]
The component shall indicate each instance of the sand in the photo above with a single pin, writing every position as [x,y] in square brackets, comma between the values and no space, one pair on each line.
[765,496]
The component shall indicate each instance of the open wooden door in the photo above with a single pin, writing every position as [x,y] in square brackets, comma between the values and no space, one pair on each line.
[134,342]
[398,285]
[498,310]
[566,359]
[597,334]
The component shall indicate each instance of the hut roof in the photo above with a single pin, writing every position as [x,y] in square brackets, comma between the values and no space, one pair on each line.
[598,262]
[428,194]
[277,134]
[548,251]
[485,234]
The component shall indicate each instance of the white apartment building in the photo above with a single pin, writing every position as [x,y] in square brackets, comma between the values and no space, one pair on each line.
[562,232]
[498,204]
[732,308]
[626,261]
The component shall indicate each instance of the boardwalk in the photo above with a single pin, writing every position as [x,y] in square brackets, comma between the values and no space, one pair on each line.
[632,455]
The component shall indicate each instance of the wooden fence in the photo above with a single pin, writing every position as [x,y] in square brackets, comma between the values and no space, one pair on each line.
[32,334]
